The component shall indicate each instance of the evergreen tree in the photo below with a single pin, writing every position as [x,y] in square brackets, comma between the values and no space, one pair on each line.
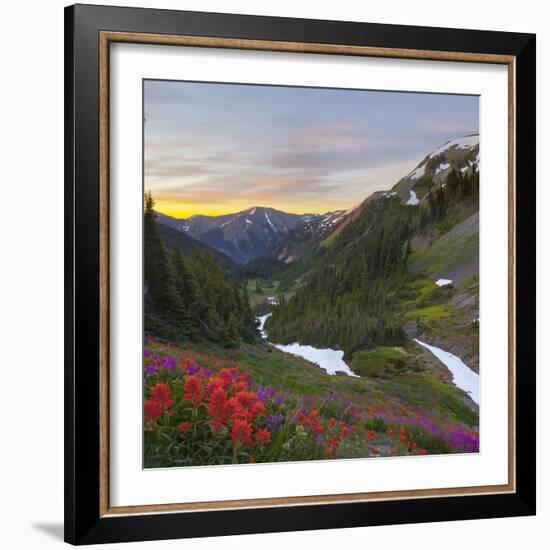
[159,275]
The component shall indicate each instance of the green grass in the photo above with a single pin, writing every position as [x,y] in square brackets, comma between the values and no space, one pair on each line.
[380,362]
[456,248]
[425,292]
[329,241]
[431,313]
[258,300]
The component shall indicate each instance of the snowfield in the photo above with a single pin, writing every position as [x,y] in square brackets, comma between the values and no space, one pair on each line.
[443,282]
[467,142]
[463,376]
[330,360]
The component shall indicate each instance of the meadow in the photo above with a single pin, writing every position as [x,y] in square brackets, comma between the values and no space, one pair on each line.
[216,406]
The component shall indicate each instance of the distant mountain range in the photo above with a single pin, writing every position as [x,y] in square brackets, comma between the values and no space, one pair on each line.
[175,238]
[252,233]
[266,232]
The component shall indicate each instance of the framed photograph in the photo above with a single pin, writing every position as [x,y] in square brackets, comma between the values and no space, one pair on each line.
[300,274]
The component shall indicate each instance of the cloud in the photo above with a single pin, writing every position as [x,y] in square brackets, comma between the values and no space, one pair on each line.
[233,144]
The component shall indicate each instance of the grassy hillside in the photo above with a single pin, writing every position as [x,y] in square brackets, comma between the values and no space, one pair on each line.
[454,255]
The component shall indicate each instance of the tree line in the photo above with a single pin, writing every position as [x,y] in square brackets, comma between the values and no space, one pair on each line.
[351,303]
[190,298]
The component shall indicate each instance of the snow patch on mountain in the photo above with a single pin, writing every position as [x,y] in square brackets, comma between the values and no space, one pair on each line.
[417,173]
[442,167]
[413,200]
[269,221]
[466,142]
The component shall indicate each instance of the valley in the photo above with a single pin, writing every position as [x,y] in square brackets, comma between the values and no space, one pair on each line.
[360,327]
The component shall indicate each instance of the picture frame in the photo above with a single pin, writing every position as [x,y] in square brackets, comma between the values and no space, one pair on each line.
[90,31]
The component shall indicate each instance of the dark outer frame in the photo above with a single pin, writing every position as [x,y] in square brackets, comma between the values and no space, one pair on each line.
[86,519]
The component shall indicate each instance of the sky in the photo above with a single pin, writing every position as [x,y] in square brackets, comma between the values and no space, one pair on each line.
[221,148]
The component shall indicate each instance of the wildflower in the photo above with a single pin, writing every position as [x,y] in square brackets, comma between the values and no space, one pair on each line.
[152,409]
[328,451]
[226,377]
[191,367]
[160,392]
[239,386]
[185,426]
[150,368]
[257,409]
[241,432]
[275,421]
[168,363]
[317,428]
[263,394]
[214,384]
[422,451]
[332,422]
[245,398]
[218,409]
[192,388]
[262,437]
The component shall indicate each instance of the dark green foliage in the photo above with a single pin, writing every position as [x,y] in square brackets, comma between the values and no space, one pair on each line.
[162,300]
[190,298]
[350,300]
[262,268]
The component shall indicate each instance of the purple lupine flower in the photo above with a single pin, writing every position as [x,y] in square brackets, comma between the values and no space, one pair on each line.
[149,369]
[168,363]
[191,368]
[263,394]
[274,422]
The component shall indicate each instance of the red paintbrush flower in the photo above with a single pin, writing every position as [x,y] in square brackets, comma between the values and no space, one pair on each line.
[153,409]
[246,398]
[262,436]
[160,392]
[192,388]
[241,432]
[257,409]
[213,385]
